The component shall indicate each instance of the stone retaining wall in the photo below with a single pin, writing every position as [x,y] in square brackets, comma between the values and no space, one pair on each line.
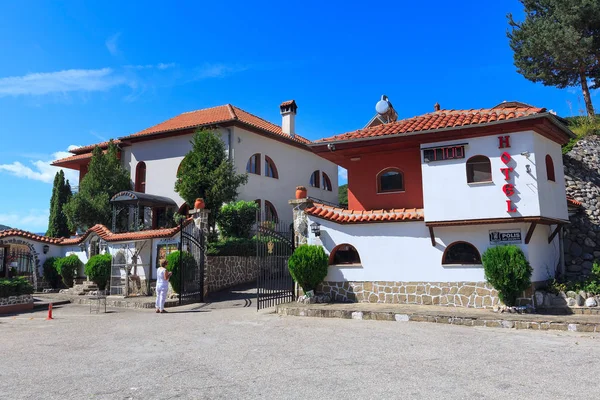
[226,271]
[458,294]
[16,303]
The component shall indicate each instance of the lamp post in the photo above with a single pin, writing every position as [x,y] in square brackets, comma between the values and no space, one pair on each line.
[46,248]
[315,228]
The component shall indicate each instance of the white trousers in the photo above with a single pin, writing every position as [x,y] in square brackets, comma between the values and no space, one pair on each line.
[161,296]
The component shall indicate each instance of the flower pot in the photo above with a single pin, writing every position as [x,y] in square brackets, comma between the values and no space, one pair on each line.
[301,192]
[199,204]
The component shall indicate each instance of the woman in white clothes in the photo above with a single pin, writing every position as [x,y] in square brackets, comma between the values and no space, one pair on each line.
[162,286]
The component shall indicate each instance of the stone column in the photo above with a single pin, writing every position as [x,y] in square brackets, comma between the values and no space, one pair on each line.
[201,219]
[300,220]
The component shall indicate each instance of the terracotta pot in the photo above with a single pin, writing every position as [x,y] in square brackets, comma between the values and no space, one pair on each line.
[199,204]
[301,192]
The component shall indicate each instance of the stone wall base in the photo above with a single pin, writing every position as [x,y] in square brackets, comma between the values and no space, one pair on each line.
[457,294]
[15,304]
[223,272]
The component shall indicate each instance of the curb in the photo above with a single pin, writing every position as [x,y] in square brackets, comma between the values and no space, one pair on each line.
[439,319]
[43,305]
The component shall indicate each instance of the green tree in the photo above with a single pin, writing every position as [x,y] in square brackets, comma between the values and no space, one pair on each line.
[105,178]
[343,195]
[58,224]
[557,44]
[206,172]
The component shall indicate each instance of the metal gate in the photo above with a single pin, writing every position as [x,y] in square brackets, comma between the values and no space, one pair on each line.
[275,245]
[191,251]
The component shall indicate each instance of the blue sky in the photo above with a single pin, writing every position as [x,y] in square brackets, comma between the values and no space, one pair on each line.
[76,73]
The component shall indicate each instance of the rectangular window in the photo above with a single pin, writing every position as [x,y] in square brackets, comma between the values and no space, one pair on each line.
[443,153]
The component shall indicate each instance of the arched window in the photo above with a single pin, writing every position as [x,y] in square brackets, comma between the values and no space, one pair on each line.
[259,204]
[326,182]
[253,166]
[344,254]
[461,253]
[550,168]
[479,169]
[315,179]
[390,180]
[270,212]
[140,177]
[270,168]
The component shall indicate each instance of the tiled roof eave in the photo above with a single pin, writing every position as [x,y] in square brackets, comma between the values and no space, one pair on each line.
[337,139]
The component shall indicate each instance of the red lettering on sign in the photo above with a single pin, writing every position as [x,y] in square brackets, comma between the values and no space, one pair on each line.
[506,172]
[503,141]
[510,207]
[508,189]
[505,157]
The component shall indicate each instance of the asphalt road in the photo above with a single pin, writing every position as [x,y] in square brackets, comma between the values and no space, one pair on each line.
[237,353]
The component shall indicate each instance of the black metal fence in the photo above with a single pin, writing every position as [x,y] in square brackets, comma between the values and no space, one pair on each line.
[275,245]
[191,263]
[17,263]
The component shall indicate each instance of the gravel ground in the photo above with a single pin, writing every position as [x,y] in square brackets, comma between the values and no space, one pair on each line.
[212,352]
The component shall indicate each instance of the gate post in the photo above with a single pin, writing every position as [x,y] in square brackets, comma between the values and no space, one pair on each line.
[300,220]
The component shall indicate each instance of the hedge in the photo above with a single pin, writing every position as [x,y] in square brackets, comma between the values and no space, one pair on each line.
[508,271]
[15,287]
[173,260]
[51,274]
[308,266]
[98,269]
[67,268]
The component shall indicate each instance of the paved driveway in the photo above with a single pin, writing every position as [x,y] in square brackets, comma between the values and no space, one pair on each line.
[237,353]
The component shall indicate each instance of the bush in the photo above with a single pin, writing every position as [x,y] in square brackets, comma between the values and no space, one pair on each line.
[236,219]
[308,266]
[232,247]
[51,274]
[189,263]
[98,269]
[591,284]
[15,287]
[508,271]
[67,267]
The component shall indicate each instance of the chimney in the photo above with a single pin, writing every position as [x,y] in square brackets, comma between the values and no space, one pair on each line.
[436,107]
[288,117]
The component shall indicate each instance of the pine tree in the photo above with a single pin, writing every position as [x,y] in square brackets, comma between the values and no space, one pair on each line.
[61,194]
[558,44]
[105,178]
[206,172]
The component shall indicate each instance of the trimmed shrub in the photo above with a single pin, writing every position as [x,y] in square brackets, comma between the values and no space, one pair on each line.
[67,268]
[236,219]
[188,261]
[51,274]
[98,269]
[15,287]
[308,266]
[232,247]
[508,271]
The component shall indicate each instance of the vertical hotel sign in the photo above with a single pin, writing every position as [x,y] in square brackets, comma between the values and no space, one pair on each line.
[507,171]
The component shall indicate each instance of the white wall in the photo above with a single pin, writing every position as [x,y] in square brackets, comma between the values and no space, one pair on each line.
[294,166]
[553,201]
[163,156]
[403,251]
[447,195]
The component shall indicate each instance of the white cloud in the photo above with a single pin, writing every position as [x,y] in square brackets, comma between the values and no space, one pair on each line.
[165,66]
[218,70]
[111,44]
[72,80]
[342,175]
[41,170]
[160,66]
[34,220]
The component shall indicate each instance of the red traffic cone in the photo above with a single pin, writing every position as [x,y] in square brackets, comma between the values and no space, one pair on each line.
[49,312]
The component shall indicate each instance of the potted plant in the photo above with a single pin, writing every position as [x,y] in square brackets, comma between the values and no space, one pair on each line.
[199,204]
[301,192]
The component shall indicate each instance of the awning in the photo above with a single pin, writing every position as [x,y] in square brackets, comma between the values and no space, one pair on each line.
[130,197]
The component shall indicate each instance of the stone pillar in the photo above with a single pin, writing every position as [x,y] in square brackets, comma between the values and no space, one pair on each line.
[201,219]
[300,220]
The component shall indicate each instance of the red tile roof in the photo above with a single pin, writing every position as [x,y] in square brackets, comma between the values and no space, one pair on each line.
[572,202]
[287,103]
[342,216]
[100,230]
[77,157]
[443,119]
[89,148]
[215,115]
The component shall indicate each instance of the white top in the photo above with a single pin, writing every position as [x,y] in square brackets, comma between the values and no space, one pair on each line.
[160,277]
